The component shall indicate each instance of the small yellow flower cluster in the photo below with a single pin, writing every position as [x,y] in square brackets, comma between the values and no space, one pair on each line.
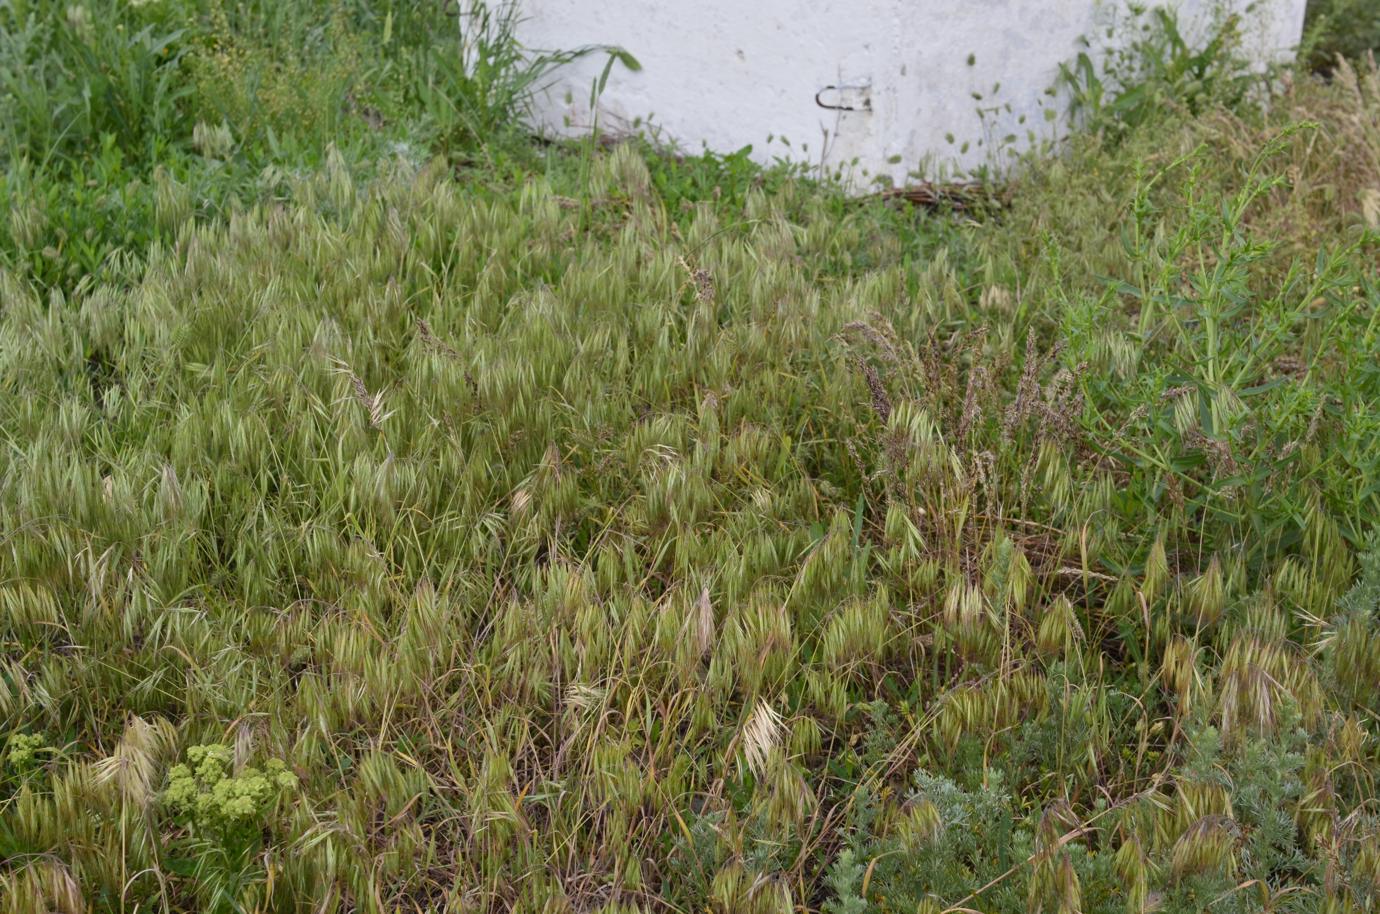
[204,793]
[22,750]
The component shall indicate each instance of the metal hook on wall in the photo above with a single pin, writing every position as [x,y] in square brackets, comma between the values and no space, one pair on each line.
[849,98]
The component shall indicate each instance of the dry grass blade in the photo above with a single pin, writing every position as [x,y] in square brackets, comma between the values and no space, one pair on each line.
[761,738]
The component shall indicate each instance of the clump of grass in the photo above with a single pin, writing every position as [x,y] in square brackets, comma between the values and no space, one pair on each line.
[104,104]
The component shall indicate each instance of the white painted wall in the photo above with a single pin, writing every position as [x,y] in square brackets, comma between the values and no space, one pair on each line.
[729,73]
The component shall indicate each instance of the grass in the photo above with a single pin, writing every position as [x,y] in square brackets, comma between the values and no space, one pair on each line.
[523,527]
[119,119]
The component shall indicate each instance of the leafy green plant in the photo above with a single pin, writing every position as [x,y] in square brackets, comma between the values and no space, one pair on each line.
[225,811]
[1156,72]
[25,753]
[205,794]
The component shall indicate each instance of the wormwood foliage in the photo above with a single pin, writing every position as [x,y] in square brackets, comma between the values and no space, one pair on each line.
[585,555]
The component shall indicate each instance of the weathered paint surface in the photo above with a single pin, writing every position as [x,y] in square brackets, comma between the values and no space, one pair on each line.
[884,83]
